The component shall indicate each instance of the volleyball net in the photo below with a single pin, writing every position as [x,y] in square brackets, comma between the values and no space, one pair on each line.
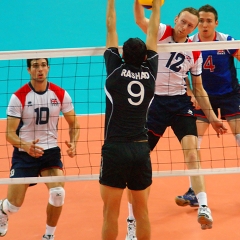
[82,73]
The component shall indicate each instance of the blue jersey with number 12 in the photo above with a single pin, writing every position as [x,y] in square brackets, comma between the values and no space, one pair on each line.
[219,74]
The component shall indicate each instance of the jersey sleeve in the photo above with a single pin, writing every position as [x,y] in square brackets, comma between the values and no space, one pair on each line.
[14,108]
[161,30]
[231,51]
[152,62]
[112,59]
[196,69]
[67,104]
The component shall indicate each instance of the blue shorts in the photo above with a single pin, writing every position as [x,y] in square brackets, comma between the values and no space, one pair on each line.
[126,164]
[175,111]
[24,165]
[228,106]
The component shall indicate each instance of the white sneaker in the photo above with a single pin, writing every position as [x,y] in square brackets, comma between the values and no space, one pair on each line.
[48,237]
[3,221]
[205,218]
[131,230]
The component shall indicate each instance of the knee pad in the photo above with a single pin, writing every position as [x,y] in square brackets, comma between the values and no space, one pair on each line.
[237,136]
[56,196]
[8,208]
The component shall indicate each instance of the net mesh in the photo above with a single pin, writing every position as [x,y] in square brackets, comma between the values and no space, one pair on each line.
[82,73]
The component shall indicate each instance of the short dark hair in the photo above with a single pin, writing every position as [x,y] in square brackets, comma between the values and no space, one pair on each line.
[30,60]
[209,8]
[190,10]
[134,51]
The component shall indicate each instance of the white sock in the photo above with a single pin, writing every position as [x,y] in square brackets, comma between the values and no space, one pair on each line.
[237,136]
[130,212]
[202,199]
[8,208]
[190,184]
[50,230]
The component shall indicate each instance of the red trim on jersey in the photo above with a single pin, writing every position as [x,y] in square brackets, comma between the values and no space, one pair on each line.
[22,93]
[235,53]
[214,39]
[155,134]
[196,54]
[58,91]
[168,32]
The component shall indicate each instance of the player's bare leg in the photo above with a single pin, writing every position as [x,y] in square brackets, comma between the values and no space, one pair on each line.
[55,204]
[189,145]
[140,210]
[111,199]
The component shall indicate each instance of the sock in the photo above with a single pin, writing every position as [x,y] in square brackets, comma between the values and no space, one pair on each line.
[130,212]
[50,230]
[237,136]
[202,199]
[190,184]
[8,208]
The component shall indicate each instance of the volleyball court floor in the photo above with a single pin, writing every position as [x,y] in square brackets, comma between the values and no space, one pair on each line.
[81,217]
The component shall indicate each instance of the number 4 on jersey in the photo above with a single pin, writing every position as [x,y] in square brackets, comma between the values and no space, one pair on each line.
[209,64]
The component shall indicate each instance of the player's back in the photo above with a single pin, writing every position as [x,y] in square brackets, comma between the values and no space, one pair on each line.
[129,91]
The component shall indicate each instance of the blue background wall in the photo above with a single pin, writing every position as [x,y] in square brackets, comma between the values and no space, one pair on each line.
[48,24]
[81,23]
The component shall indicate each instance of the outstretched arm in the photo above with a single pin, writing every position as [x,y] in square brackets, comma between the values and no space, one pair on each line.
[153,26]
[112,37]
[140,18]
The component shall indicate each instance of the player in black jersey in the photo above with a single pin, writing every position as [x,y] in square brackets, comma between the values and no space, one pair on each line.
[129,90]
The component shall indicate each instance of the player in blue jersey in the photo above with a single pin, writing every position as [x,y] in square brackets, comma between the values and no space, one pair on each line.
[32,125]
[219,77]
[129,89]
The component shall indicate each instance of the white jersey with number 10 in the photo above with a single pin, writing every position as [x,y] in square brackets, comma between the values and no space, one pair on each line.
[39,113]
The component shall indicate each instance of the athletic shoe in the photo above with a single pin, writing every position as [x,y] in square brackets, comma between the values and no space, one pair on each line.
[48,237]
[189,198]
[131,230]
[3,221]
[205,217]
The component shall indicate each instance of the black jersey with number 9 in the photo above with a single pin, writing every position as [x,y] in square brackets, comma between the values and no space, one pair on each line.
[129,91]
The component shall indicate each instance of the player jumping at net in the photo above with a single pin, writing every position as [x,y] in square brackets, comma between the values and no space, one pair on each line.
[129,90]
[171,106]
[32,119]
[219,80]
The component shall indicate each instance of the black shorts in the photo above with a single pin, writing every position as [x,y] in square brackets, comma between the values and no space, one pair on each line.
[126,164]
[174,111]
[228,106]
[24,165]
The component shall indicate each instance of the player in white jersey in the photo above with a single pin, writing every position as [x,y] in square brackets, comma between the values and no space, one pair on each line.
[32,118]
[171,106]
[219,80]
